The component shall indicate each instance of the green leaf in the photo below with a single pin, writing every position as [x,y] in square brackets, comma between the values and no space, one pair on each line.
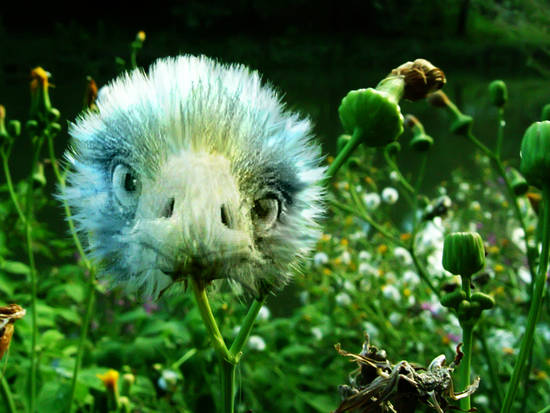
[14,267]
[53,396]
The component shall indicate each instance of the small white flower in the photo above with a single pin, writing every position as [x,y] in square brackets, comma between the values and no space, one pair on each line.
[391,292]
[395,318]
[370,329]
[411,277]
[402,255]
[476,206]
[518,238]
[264,313]
[348,286]
[372,200]
[168,379]
[394,176]
[304,297]
[390,195]
[320,259]
[317,333]
[343,299]
[364,256]
[256,343]
[525,275]
[346,258]
[366,269]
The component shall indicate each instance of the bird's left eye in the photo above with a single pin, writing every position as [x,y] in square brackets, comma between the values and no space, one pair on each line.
[126,185]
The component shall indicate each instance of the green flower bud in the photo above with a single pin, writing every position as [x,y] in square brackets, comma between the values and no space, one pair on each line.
[128,379]
[518,182]
[462,125]
[498,93]
[485,301]
[39,175]
[421,142]
[545,114]
[3,131]
[14,128]
[453,299]
[31,126]
[393,148]
[341,142]
[535,154]
[463,253]
[374,113]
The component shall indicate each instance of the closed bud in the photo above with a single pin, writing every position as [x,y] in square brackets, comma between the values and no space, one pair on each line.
[128,379]
[421,78]
[545,113]
[463,253]
[498,93]
[421,142]
[14,128]
[39,175]
[485,301]
[375,114]
[452,300]
[462,125]
[535,154]
[517,181]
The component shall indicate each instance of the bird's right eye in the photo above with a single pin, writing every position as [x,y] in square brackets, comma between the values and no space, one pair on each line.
[126,185]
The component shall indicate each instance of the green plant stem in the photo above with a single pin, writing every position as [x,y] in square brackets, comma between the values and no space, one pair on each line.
[9,182]
[28,235]
[246,327]
[497,389]
[545,410]
[512,196]
[344,154]
[500,132]
[464,373]
[535,307]
[228,384]
[400,176]
[6,393]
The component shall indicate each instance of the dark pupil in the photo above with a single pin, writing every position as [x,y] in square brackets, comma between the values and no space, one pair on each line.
[262,207]
[130,182]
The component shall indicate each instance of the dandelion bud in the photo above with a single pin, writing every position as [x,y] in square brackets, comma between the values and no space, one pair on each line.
[438,99]
[463,253]
[517,181]
[3,131]
[462,124]
[128,379]
[485,301]
[14,128]
[498,93]
[420,141]
[535,154]
[452,300]
[421,78]
[545,113]
[374,113]
[140,36]
[39,175]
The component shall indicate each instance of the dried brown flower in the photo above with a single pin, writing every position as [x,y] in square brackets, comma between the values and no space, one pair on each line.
[8,315]
[421,78]
[378,386]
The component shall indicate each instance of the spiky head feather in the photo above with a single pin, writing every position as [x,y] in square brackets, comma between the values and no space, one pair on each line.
[195,169]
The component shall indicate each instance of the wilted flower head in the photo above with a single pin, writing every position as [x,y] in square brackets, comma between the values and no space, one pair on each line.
[8,315]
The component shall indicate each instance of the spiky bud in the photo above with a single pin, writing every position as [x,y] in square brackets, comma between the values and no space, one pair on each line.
[498,93]
[463,253]
[535,154]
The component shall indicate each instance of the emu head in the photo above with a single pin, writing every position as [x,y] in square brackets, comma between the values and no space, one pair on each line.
[195,170]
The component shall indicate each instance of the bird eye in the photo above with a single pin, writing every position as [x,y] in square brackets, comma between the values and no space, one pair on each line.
[265,212]
[126,185]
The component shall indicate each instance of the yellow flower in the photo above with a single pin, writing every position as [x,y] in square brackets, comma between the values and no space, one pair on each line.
[327,271]
[382,248]
[141,36]
[405,237]
[499,268]
[493,249]
[508,350]
[330,159]
[110,380]
[344,242]
[541,375]
[406,292]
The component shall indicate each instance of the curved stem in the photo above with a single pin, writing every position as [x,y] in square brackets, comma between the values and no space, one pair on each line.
[244,332]
[6,392]
[9,182]
[344,154]
[535,307]
[400,176]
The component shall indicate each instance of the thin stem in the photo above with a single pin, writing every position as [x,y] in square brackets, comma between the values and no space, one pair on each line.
[83,334]
[6,392]
[493,372]
[199,291]
[28,235]
[244,332]
[400,176]
[535,307]
[545,410]
[500,132]
[9,182]
[228,384]
[464,373]
[344,154]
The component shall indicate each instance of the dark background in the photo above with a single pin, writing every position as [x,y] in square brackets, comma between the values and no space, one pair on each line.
[314,52]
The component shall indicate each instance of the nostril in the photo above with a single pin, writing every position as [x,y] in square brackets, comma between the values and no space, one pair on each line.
[168,208]
[225,216]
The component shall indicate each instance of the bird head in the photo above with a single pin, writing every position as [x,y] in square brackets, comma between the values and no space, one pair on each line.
[195,169]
